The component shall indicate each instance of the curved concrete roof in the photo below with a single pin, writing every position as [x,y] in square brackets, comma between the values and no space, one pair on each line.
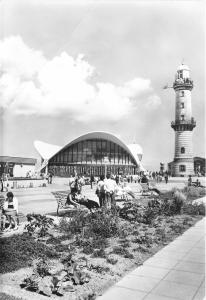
[135,148]
[47,151]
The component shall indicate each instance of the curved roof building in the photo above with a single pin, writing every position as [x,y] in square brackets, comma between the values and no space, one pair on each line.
[89,153]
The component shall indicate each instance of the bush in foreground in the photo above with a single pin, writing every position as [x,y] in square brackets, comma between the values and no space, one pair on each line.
[18,251]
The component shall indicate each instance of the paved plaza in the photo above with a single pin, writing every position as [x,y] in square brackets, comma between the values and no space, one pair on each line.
[41,200]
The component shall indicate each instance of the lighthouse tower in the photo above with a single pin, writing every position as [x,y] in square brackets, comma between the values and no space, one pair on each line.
[184,123]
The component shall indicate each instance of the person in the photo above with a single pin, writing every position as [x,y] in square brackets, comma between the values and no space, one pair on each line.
[50,178]
[10,210]
[2,184]
[190,180]
[91,180]
[75,190]
[144,179]
[166,177]
[2,215]
[117,179]
[110,188]
[100,191]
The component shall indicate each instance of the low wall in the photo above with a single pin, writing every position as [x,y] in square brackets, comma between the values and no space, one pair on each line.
[24,183]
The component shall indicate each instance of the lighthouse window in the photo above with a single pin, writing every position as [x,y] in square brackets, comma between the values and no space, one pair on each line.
[182,93]
[182,150]
[181,74]
[182,105]
[182,117]
[182,168]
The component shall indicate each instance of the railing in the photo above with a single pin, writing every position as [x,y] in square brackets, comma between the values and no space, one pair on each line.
[182,122]
[183,81]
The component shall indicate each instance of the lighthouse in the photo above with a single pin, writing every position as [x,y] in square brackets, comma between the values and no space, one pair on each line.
[184,123]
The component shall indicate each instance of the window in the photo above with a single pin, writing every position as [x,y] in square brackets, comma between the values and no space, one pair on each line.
[182,117]
[182,105]
[182,93]
[181,74]
[182,168]
[182,150]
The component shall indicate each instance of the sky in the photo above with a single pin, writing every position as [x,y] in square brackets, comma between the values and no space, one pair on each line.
[71,67]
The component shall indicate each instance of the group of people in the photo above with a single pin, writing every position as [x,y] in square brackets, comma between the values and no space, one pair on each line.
[9,212]
[105,190]
[196,183]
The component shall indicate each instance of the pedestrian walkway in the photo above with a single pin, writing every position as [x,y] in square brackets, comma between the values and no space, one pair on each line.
[175,272]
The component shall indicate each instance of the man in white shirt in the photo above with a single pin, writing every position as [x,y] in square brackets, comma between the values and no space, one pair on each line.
[110,187]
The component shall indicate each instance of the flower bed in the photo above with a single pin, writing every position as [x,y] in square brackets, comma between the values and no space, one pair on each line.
[88,252]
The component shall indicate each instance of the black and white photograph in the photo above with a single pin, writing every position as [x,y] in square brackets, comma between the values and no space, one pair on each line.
[102,149]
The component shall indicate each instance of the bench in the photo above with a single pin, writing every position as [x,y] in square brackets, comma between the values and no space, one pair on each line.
[61,198]
[147,190]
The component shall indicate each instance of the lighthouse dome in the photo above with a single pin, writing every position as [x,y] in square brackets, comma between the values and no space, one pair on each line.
[183,67]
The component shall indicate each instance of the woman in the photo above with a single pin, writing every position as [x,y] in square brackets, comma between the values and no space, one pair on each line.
[75,190]
[10,210]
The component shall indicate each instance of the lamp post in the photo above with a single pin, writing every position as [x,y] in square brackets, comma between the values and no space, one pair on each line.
[105,162]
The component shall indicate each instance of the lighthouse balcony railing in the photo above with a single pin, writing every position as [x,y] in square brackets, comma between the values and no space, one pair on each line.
[182,122]
[183,81]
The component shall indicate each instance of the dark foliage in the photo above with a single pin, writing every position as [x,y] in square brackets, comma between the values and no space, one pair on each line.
[38,225]
[122,251]
[192,209]
[18,251]
[99,253]
[99,269]
[112,260]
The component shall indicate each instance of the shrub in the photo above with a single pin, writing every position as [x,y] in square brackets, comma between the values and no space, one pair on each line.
[38,225]
[141,248]
[102,223]
[135,212]
[56,240]
[99,269]
[193,192]
[90,295]
[124,243]
[99,253]
[59,282]
[75,224]
[61,248]
[143,238]
[122,251]
[18,251]
[112,260]
[194,209]
[42,267]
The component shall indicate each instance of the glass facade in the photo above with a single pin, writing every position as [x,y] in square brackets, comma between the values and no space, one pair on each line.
[90,156]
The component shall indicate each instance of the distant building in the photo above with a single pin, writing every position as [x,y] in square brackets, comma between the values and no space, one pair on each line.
[91,153]
[17,166]
[183,163]
[198,166]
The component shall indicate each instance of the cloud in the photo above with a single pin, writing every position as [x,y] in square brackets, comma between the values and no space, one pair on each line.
[32,84]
